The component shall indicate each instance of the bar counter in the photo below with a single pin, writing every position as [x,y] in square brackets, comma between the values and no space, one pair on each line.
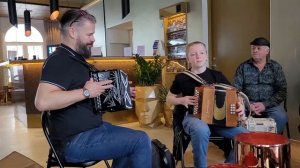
[25,76]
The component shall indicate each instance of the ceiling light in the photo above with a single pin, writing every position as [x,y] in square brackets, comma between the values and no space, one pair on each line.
[11,4]
[54,11]
[27,21]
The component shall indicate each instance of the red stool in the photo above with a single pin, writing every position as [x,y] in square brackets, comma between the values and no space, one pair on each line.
[226,165]
[262,149]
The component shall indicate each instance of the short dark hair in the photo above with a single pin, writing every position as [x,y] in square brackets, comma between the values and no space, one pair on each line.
[72,16]
[260,41]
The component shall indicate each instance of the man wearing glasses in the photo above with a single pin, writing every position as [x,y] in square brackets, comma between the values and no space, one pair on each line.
[66,90]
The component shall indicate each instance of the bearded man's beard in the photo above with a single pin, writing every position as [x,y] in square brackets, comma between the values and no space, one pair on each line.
[83,49]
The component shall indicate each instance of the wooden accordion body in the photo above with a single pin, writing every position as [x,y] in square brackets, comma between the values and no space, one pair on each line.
[216,106]
[118,97]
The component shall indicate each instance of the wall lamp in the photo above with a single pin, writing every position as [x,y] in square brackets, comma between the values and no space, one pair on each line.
[54,11]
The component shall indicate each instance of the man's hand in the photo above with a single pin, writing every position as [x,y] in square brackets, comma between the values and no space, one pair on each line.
[97,88]
[188,100]
[132,92]
[257,108]
[240,110]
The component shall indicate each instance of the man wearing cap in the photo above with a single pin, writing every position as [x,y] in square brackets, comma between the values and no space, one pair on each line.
[262,80]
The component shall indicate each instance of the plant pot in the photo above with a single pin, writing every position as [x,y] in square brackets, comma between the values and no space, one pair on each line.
[168,114]
[148,106]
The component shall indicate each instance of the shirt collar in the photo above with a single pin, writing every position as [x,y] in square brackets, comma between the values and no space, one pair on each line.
[268,60]
[72,52]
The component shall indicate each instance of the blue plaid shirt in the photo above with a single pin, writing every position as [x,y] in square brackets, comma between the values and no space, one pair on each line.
[268,86]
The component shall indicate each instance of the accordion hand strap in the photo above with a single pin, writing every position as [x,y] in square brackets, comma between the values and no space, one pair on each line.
[221,85]
[195,77]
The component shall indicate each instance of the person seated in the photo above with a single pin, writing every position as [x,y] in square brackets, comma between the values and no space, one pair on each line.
[182,94]
[263,81]
[77,130]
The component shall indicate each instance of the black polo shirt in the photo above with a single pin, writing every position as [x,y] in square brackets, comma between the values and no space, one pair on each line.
[68,70]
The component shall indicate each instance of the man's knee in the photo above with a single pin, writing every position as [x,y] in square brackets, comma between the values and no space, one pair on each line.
[143,139]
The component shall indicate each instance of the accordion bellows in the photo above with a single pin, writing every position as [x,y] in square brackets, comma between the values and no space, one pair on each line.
[118,97]
[216,106]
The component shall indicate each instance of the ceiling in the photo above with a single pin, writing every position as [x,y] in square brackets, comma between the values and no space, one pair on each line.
[39,9]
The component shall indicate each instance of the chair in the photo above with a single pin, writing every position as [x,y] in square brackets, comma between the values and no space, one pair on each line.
[287,124]
[181,140]
[4,95]
[53,159]
[299,124]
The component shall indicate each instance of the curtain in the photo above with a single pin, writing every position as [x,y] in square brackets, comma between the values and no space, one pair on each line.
[53,32]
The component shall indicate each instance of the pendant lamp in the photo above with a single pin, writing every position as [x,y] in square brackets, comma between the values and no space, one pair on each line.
[11,4]
[27,21]
[54,11]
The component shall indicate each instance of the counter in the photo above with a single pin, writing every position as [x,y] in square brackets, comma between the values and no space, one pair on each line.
[25,76]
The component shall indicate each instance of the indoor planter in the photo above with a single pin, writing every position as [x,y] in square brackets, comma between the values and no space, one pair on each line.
[167,107]
[147,104]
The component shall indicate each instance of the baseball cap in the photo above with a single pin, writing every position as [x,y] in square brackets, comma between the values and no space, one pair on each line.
[260,41]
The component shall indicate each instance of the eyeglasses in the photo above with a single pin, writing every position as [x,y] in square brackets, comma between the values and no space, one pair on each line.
[82,13]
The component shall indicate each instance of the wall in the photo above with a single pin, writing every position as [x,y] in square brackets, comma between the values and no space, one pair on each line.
[97,11]
[147,25]
[285,48]
[113,12]
[4,26]
[116,41]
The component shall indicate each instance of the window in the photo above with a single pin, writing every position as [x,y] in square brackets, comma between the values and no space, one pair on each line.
[14,51]
[18,46]
[35,51]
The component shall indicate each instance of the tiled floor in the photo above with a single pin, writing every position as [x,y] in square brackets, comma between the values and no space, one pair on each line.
[32,143]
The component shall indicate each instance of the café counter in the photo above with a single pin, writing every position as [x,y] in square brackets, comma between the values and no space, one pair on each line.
[25,76]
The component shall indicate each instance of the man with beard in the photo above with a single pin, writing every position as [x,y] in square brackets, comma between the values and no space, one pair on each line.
[66,90]
[263,81]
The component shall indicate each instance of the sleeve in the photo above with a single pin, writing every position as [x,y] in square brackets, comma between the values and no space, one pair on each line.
[280,88]
[238,79]
[55,71]
[175,87]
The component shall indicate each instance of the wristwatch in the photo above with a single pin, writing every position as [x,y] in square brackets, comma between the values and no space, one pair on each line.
[86,93]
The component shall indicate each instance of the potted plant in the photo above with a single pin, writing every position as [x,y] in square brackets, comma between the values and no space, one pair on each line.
[167,108]
[147,104]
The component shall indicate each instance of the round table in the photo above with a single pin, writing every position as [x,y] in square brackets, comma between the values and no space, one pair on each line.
[262,150]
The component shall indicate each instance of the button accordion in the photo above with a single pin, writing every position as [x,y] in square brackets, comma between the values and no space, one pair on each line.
[216,105]
[116,98]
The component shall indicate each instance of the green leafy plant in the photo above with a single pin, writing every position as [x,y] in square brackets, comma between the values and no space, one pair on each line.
[163,92]
[148,72]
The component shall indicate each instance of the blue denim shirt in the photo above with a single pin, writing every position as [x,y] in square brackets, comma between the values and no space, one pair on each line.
[267,86]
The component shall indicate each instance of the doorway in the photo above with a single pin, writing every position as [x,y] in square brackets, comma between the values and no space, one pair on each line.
[234,24]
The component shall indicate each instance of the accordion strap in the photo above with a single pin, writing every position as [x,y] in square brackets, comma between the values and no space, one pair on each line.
[195,77]
[221,85]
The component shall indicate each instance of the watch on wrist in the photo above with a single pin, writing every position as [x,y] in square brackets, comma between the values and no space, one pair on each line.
[86,93]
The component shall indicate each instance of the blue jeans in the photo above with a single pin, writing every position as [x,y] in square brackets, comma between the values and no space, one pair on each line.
[200,133]
[279,115]
[127,147]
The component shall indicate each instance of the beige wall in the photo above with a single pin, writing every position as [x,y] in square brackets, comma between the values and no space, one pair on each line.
[146,24]
[285,48]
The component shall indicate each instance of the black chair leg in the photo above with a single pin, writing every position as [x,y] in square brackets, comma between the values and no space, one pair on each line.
[181,152]
[106,163]
[288,130]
